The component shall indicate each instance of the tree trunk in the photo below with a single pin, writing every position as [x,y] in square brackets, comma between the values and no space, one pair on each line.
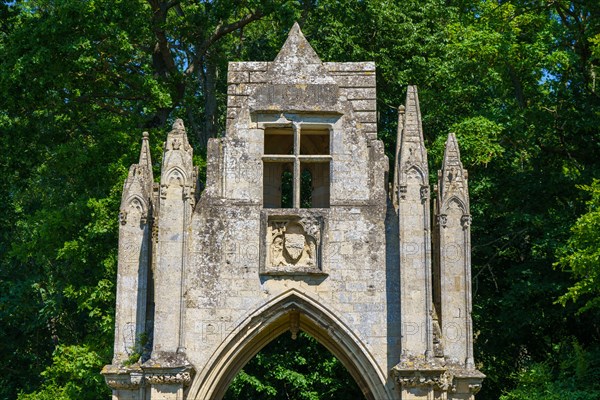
[209,83]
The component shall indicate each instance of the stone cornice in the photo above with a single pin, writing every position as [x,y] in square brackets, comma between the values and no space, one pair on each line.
[175,375]
[465,380]
[136,376]
[420,374]
[431,378]
[123,378]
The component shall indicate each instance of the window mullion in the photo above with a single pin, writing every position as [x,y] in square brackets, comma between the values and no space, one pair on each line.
[296,128]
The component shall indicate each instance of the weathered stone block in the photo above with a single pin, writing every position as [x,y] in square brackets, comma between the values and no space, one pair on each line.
[363,93]
[364,105]
[248,66]
[356,81]
[238,77]
[366,116]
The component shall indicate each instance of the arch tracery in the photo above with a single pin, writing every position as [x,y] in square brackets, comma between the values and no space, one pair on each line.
[274,318]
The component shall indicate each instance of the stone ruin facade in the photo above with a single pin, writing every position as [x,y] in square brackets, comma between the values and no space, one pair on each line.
[297,229]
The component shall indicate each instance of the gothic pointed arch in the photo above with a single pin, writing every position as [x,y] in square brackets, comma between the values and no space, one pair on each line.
[291,310]
[176,173]
[458,201]
[136,200]
[416,170]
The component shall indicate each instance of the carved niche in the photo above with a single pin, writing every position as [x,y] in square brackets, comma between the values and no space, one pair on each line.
[292,244]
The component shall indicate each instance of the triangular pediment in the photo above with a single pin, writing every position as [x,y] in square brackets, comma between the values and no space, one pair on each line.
[296,49]
[298,63]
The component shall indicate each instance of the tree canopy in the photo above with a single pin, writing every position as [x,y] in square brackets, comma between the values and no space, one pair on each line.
[516,80]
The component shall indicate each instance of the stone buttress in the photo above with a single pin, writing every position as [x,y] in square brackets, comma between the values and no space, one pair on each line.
[295,231]
[168,371]
[135,230]
[414,234]
[452,272]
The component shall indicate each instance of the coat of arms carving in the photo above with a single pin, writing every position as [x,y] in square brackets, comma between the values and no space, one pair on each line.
[292,245]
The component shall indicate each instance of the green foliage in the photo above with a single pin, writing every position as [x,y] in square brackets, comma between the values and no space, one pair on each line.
[300,369]
[581,255]
[138,350]
[72,375]
[479,141]
[576,377]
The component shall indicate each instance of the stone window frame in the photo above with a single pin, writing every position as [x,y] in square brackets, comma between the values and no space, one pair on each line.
[296,158]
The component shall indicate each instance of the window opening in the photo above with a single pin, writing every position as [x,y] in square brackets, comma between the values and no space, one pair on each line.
[279,141]
[320,183]
[314,141]
[296,165]
[287,189]
[278,185]
[306,189]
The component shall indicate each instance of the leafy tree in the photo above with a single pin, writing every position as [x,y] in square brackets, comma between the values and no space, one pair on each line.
[581,255]
[67,114]
[575,376]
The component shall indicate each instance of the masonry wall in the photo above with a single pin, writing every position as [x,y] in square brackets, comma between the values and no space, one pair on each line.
[224,283]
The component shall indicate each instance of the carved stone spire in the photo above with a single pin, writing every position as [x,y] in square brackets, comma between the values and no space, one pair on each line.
[134,256]
[413,154]
[137,189]
[145,159]
[414,234]
[177,167]
[453,266]
[176,202]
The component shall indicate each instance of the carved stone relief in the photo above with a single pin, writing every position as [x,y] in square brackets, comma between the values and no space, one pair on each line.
[292,244]
[133,379]
[179,378]
[134,211]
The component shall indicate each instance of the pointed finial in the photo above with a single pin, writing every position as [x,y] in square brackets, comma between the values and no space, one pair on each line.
[412,143]
[296,49]
[145,159]
[411,151]
[452,179]
[139,179]
[177,138]
[452,139]
[178,125]
[413,127]
[452,152]
[295,29]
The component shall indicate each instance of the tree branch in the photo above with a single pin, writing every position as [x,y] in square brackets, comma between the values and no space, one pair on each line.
[164,62]
[220,31]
